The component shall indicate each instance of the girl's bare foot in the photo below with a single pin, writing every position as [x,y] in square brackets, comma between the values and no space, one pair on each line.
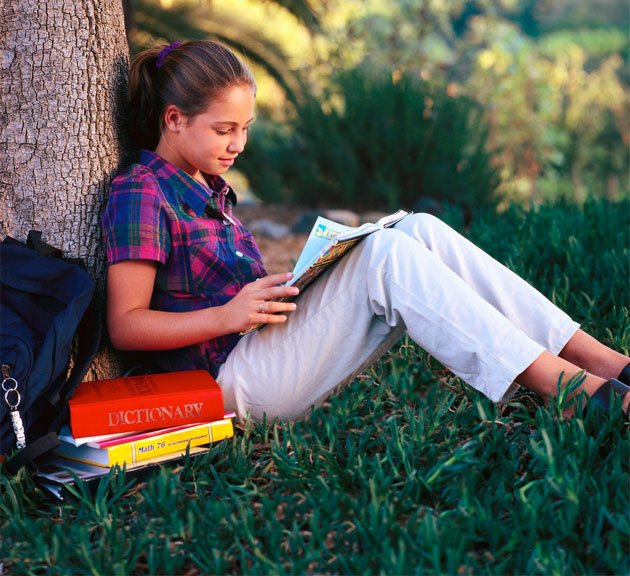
[589,353]
[543,375]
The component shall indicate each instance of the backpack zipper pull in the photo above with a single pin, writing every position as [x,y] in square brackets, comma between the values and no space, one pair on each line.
[10,387]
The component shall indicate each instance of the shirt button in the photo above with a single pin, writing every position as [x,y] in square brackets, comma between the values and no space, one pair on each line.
[239,253]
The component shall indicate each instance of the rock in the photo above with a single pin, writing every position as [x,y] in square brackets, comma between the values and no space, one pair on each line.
[345,217]
[428,205]
[268,229]
[305,221]
[373,216]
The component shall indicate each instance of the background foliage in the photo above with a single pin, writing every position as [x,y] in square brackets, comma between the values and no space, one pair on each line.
[406,471]
[550,76]
[385,145]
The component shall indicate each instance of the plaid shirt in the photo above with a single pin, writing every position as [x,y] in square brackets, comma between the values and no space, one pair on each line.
[158,212]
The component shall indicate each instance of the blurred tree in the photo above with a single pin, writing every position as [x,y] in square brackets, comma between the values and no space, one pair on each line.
[411,36]
[553,113]
[151,21]
[536,18]
[554,15]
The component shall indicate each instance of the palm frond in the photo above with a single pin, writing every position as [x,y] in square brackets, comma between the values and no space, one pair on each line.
[193,22]
[303,10]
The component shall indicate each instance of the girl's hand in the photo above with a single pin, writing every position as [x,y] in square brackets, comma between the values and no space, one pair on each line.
[253,305]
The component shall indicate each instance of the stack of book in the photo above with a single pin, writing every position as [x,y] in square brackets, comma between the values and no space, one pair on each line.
[138,420]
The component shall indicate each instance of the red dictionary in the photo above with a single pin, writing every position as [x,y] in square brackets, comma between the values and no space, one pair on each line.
[148,402]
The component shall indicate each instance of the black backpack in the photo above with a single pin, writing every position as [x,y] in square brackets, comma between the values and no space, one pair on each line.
[45,301]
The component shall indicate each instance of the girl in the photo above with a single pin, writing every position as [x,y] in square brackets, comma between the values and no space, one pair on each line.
[185,277]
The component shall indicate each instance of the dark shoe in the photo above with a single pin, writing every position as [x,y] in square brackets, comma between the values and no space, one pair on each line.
[601,398]
[624,377]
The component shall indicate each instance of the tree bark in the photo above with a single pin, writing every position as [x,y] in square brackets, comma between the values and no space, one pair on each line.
[63,69]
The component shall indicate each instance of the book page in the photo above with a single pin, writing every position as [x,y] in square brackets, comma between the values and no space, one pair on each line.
[56,468]
[369,227]
[65,435]
[386,221]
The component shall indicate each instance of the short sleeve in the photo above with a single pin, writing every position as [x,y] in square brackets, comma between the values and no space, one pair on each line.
[135,222]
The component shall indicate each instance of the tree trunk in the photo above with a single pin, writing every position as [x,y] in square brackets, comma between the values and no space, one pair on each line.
[63,67]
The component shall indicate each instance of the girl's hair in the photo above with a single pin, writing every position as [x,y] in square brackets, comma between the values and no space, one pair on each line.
[188,76]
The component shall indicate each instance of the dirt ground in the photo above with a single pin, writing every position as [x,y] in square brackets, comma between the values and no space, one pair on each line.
[279,255]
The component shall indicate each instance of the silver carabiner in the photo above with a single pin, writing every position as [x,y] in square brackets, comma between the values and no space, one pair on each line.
[17,401]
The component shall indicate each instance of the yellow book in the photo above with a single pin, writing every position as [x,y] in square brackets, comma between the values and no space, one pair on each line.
[138,447]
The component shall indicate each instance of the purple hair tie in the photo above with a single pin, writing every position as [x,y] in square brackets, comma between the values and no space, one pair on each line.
[165,52]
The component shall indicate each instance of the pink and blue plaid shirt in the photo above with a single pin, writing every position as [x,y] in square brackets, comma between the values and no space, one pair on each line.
[158,212]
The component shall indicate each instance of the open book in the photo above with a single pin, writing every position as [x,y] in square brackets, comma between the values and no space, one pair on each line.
[327,243]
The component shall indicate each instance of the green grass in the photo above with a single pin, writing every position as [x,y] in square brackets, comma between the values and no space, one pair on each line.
[408,470]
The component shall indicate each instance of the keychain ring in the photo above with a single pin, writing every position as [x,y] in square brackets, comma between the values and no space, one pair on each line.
[14,387]
[6,398]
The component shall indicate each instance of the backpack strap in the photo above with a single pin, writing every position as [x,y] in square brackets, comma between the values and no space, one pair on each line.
[34,241]
[88,341]
[31,451]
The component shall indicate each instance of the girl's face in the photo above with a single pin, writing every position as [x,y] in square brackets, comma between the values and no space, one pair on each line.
[209,142]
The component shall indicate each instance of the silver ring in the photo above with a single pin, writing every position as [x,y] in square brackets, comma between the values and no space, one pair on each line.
[11,381]
[261,308]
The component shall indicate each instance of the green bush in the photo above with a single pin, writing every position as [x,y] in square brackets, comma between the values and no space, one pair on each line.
[384,145]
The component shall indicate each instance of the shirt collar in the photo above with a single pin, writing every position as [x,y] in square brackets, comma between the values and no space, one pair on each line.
[195,194]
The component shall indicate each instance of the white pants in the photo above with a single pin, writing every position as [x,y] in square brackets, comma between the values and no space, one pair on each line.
[479,319]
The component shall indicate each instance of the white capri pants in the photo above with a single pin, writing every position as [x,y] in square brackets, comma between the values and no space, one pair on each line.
[479,319]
